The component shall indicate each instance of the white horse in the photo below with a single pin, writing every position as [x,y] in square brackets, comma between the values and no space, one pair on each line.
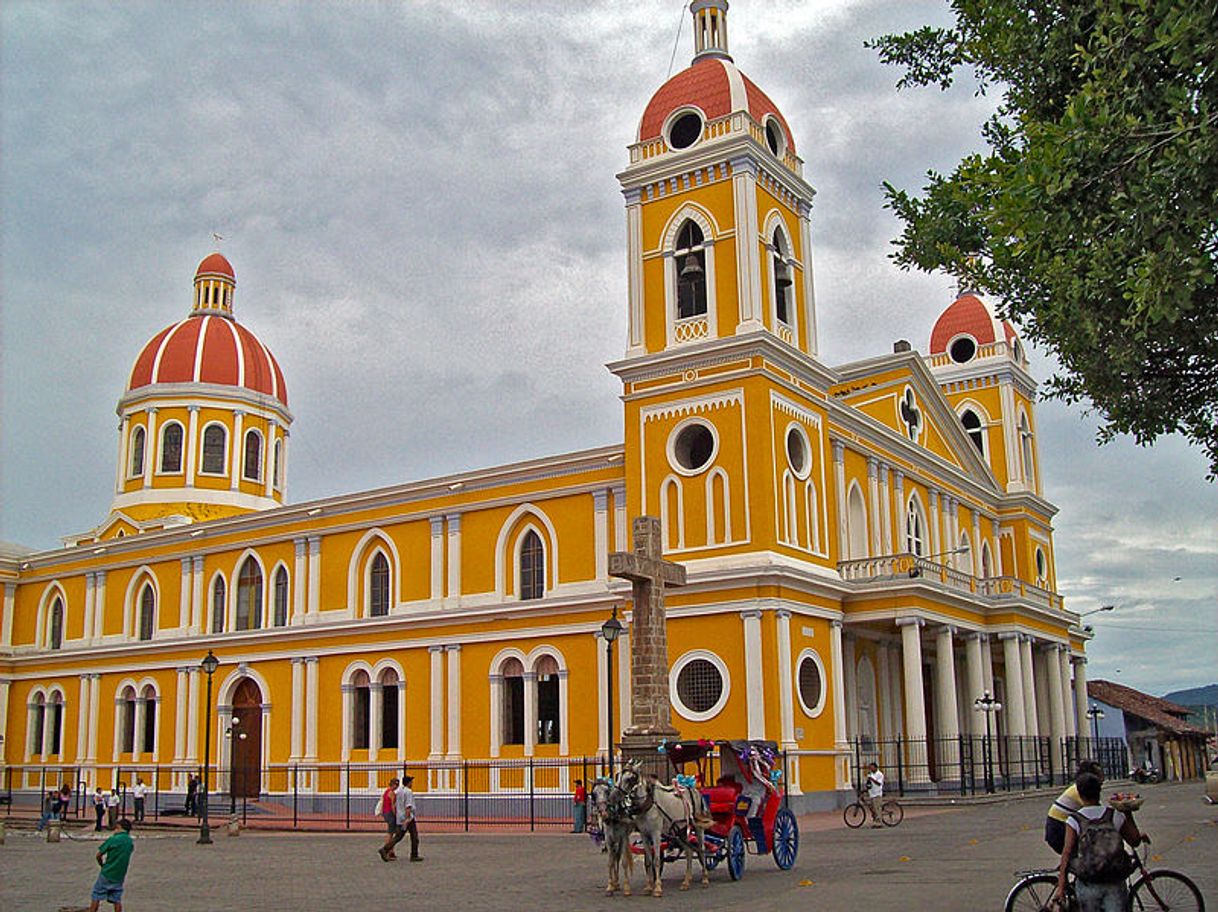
[659,811]
[616,826]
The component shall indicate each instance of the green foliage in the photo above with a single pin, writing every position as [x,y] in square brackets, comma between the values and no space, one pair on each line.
[1092,216]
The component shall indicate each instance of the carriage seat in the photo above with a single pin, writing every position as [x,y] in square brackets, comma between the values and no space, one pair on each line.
[721,797]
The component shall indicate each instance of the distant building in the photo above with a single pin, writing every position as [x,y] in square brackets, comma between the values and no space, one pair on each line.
[1156,731]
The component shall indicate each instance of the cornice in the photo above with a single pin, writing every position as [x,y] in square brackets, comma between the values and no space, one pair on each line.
[186,394]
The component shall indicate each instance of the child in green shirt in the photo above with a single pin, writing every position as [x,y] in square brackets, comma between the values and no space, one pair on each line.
[113,855]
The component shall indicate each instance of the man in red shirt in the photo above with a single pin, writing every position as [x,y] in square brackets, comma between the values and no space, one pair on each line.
[579,807]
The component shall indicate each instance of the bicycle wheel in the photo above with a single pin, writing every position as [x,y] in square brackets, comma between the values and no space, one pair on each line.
[855,815]
[1163,889]
[891,813]
[1032,894]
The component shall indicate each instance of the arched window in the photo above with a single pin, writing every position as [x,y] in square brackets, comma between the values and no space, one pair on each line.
[252,468]
[147,613]
[389,708]
[378,586]
[513,702]
[360,711]
[215,439]
[987,561]
[547,701]
[532,567]
[171,447]
[690,260]
[1025,438]
[964,556]
[281,597]
[217,605]
[55,722]
[915,528]
[249,596]
[128,712]
[137,452]
[277,478]
[856,523]
[55,629]
[148,735]
[783,283]
[973,427]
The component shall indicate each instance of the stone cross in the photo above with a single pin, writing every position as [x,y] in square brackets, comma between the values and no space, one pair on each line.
[645,567]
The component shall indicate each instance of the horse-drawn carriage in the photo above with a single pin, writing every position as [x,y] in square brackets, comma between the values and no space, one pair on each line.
[745,802]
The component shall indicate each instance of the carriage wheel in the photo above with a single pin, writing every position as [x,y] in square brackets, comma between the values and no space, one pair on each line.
[786,839]
[735,852]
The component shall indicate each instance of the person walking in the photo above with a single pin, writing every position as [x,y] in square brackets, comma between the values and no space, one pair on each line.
[50,808]
[138,793]
[112,807]
[65,800]
[579,808]
[874,791]
[99,807]
[405,819]
[114,856]
[388,811]
[192,795]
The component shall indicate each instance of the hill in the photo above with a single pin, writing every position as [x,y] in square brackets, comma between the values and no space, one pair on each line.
[1195,696]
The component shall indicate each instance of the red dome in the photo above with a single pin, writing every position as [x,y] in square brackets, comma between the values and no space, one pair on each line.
[968,314]
[209,349]
[215,264]
[717,88]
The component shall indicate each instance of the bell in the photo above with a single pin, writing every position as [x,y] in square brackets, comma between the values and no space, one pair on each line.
[783,277]
[692,268]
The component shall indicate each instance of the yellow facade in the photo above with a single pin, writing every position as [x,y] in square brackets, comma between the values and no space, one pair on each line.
[821,513]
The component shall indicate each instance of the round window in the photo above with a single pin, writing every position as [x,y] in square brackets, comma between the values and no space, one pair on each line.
[774,138]
[685,131]
[963,349]
[700,688]
[811,685]
[797,451]
[693,447]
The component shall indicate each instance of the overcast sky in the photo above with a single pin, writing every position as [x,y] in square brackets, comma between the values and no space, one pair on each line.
[420,205]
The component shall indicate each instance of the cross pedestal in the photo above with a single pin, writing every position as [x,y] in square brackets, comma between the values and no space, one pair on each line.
[649,573]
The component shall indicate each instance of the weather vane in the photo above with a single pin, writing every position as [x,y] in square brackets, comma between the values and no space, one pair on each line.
[218,238]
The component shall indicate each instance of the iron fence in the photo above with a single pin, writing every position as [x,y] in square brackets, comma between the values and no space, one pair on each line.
[975,764]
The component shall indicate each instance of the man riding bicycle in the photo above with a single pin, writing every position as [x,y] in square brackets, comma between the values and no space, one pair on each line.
[873,791]
[1094,848]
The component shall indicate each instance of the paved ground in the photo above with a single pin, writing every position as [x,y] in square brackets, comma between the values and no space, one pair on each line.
[943,858]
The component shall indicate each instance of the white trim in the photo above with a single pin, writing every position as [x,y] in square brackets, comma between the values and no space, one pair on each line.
[914,500]
[223,473]
[551,552]
[666,520]
[210,606]
[131,474]
[712,530]
[42,631]
[784,141]
[360,566]
[670,446]
[159,469]
[675,672]
[851,532]
[261,460]
[705,221]
[674,116]
[956,338]
[517,550]
[270,609]
[233,588]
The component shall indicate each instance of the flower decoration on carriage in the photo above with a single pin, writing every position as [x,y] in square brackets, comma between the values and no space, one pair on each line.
[775,775]
[684,781]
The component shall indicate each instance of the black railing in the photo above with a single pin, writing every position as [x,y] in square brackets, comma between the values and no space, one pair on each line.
[975,764]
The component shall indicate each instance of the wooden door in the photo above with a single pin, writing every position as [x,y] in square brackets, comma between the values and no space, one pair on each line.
[247,751]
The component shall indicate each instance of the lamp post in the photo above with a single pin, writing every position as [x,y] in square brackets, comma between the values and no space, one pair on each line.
[986,703]
[209,665]
[234,733]
[1095,714]
[610,630]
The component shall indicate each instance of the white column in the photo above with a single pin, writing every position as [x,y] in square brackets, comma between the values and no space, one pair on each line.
[530,712]
[976,679]
[437,702]
[987,664]
[884,714]
[564,718]
[401,755]
[1016,711]
[1080,695]
[753,673]
[238,449]
[121,473]
[82,716]
[197,604]
[1063,677]
[181,681]
[839,486]
[314,596]
[602,693]
[911,665]
[1040,680]
[87,632]
[94,715]
[348,691]
[192,445]
[873,491]
[936,542]
[31,722]
[976,543]
[298,707]
[1029,684]
[99,604]
[600,532]
[454,701]
[841,744]
[496,688]
[635,342]
[152,448]
[1057,706]
[185,572]
[898,488]
[312,698]
[621,661]
[619,519]
[748,265]
[141,716]
[850,680]
[119,722]
[6,623]
[786,691]
[437,558]
[4,689]
[299,580]
[948,709]
[886,508]
[454,558]
[804,209]
[268,457]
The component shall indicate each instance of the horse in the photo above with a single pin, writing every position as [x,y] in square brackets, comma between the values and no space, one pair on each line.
[658,811]
[616,825]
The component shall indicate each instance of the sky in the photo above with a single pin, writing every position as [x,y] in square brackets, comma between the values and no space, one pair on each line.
[419,201]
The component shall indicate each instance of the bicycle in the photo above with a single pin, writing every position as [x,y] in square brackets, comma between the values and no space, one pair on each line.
[1160,889]
[855,814]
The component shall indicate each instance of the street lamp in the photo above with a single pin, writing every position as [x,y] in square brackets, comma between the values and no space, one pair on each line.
[986,703]
[209,665]
[610,630]
[1098,610]
[233,732]
[1095,714]
[915,571]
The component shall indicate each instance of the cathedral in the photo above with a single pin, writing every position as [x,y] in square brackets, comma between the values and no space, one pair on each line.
[867,548]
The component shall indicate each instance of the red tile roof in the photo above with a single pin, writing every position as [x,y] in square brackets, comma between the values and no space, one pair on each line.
[1160,712]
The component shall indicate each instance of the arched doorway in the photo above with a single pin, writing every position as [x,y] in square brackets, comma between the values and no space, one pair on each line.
[246,756]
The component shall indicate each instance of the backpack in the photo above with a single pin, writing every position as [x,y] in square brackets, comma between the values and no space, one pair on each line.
[1100,856]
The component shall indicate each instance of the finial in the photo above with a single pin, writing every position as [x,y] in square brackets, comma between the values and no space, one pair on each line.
[710,28]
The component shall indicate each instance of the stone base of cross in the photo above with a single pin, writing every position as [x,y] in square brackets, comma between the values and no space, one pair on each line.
[649,573]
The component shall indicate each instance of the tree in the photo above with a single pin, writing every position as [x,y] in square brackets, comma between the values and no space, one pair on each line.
[1092,216]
